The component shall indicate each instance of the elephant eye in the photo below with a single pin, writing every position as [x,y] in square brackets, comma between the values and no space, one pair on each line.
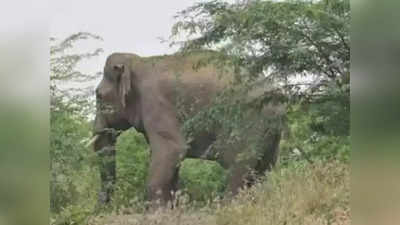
[119,68]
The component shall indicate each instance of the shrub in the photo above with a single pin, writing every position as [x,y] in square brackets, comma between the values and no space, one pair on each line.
[202,180]
[132,158]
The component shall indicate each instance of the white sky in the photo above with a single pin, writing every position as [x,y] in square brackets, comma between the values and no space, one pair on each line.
[125,26]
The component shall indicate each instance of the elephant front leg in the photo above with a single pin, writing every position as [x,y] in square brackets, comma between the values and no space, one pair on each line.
[163,177]
[105,149]
[168,148]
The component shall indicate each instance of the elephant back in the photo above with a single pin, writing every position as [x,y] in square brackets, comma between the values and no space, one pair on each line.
[189,85]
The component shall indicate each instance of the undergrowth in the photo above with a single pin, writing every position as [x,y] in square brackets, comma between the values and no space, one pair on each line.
[302,194]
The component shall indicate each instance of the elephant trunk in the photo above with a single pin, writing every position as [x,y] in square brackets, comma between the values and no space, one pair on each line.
[99,124]
[104,146]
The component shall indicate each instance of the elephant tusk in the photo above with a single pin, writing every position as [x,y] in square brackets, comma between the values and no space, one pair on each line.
[92,140]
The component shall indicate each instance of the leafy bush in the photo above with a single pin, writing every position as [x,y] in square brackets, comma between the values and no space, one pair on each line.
[202,180]
[70,161]
[319,130]
[74,177]
[133,155]
[73,174]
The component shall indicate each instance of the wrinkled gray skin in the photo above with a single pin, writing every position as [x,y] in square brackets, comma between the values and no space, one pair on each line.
[143,93]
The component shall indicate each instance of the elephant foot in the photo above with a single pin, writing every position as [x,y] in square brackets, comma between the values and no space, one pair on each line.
[103,198]
[103,202]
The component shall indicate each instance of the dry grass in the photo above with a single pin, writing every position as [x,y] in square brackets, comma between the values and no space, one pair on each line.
[308,195]
[311,195]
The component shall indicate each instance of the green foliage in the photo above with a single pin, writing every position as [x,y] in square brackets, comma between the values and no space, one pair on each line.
[133,155]
[288,36]
[300,47]
[73,214]
[73,174]
[319,130]
[72,196]
[202,180]
[331,112]
[67,158]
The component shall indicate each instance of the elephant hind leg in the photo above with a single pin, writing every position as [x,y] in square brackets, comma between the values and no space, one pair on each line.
[270,155]
[237,179]
[240,172]
[246,172]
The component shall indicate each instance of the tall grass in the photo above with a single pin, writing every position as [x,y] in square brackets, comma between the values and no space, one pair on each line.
[303,194]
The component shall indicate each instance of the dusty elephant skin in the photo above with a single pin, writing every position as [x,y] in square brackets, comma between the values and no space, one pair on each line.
[150,95]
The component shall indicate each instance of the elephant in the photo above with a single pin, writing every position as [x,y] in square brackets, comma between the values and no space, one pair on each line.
[156,95]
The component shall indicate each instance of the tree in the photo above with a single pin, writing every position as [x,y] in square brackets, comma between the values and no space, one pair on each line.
[64,76]
[70,160]
[302,47]
[285,38]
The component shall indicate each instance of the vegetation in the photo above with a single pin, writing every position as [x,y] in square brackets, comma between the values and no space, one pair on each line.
[305,194]
[71,163]
[299,48]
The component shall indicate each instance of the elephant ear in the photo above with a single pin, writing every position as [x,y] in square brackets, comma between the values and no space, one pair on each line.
[124,83]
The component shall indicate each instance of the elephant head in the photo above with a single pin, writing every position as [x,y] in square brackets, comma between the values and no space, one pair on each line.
[112,94]
[127,97]
[112,115]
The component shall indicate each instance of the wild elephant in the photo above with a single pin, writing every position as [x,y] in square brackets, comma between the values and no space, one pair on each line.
[157,96]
